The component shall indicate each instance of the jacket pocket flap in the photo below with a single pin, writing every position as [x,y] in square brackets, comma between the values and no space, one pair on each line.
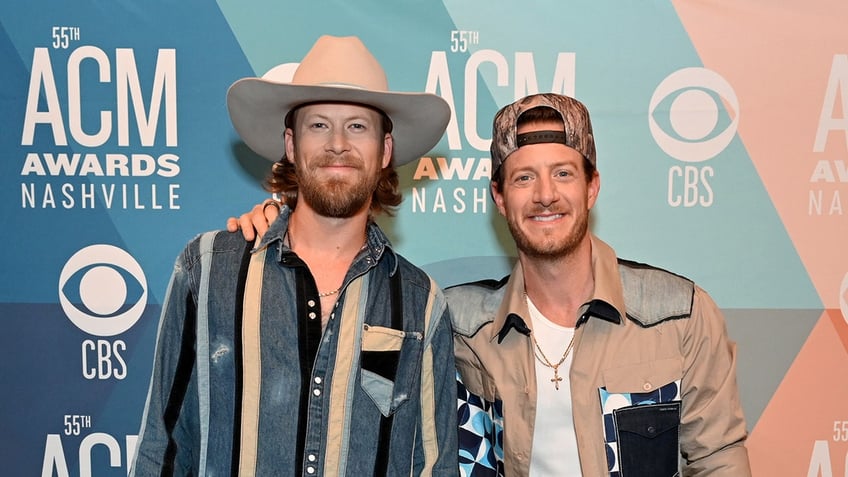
[380,338]
[648,421]
[643,377]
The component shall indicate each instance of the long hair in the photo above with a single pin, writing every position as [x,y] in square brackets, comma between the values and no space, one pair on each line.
[282,179]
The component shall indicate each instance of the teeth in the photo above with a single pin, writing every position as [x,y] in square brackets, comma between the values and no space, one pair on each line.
[546,218]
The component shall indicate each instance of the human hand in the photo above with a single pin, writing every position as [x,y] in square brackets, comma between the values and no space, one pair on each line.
[255,223]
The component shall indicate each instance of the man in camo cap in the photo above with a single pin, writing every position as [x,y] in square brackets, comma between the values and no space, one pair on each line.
[585,363]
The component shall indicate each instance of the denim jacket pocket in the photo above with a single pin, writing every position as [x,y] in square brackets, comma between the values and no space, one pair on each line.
[389,362]
[648,439]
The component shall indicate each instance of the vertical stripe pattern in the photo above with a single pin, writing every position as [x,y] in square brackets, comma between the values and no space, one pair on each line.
[429,438]
[350,335]
[206,242]
[252,365]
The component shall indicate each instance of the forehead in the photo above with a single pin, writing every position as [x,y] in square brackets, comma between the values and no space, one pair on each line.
[540,125]
[544,155]
[338,110]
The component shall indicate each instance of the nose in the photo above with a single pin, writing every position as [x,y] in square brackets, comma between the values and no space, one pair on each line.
[544,191]
[338,141]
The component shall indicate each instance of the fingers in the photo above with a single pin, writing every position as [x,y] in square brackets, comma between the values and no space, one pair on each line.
[255,223]
[246,226]
[263,215]
[232,224]
[270,212]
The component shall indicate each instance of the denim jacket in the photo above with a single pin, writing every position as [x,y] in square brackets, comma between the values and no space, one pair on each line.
[254,387]
[653,377]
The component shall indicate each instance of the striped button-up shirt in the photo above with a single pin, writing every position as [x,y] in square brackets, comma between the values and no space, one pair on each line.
[246,382]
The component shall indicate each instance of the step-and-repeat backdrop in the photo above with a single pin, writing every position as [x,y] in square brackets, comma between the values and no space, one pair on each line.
[722,135]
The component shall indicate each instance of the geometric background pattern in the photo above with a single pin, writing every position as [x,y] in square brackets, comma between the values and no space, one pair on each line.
[722,137]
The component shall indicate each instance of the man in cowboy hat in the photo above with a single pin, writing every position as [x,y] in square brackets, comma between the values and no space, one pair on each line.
[319,350]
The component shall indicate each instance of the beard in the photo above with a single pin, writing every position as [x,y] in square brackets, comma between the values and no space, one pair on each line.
[336,198]
[550,247]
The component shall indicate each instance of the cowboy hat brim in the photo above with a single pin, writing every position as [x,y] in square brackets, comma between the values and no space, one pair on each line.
[258,109]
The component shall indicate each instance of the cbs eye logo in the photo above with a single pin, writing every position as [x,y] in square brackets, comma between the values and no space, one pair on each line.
[688,128]
[102,290]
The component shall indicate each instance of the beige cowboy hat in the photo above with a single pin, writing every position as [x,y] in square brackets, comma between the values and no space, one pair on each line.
[335,69]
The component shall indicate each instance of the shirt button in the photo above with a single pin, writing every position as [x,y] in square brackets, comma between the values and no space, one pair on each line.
[311,303]
[312,315]
[317,379]
[647,386]
[310,470]
[311,458]
[332,315]
[316,392]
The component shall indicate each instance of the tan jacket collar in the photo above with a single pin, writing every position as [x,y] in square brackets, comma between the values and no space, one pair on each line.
[607,300]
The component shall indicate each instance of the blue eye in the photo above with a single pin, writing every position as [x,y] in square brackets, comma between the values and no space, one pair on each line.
[687,117]
[102,290]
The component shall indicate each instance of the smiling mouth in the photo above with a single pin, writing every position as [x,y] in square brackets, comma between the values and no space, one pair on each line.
[546,217]
[338,166]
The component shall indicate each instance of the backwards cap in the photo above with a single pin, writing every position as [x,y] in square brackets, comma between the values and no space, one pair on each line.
[575,118]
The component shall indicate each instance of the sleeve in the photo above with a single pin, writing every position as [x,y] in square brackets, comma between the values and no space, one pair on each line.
[713,429]
[165,444]
[438,436]
[469,367]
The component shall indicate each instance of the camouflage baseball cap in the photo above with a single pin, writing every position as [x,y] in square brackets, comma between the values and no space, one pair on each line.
[575,117]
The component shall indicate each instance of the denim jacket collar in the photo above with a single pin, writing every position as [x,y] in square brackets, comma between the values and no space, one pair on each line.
[376,241]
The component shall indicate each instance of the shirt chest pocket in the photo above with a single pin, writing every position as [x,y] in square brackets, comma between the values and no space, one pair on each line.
[645,378]
[641,406]
[390,362]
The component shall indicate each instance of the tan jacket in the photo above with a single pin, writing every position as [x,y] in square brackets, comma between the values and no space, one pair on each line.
[645,330]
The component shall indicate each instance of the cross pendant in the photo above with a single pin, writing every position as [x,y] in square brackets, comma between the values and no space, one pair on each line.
[556,379]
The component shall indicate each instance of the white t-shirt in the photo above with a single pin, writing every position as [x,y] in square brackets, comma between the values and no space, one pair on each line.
[554,450]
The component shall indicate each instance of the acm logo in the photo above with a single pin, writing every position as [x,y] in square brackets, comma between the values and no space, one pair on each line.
[690,130]
[103,291]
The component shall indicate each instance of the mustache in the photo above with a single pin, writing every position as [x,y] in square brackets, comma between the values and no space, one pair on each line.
[346,160]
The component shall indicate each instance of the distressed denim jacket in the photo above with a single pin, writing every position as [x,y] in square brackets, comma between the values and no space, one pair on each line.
[254,387]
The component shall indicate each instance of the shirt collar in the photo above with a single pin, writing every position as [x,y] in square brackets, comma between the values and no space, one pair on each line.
[375,240]
[607,302]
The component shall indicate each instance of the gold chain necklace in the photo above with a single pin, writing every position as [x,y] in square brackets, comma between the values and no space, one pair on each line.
[288,238]
[540,355]
[545,361]
[329,293]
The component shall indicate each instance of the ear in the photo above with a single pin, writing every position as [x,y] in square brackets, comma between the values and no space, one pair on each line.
[594,187]
[288,136]
[388,147]
[498,197]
